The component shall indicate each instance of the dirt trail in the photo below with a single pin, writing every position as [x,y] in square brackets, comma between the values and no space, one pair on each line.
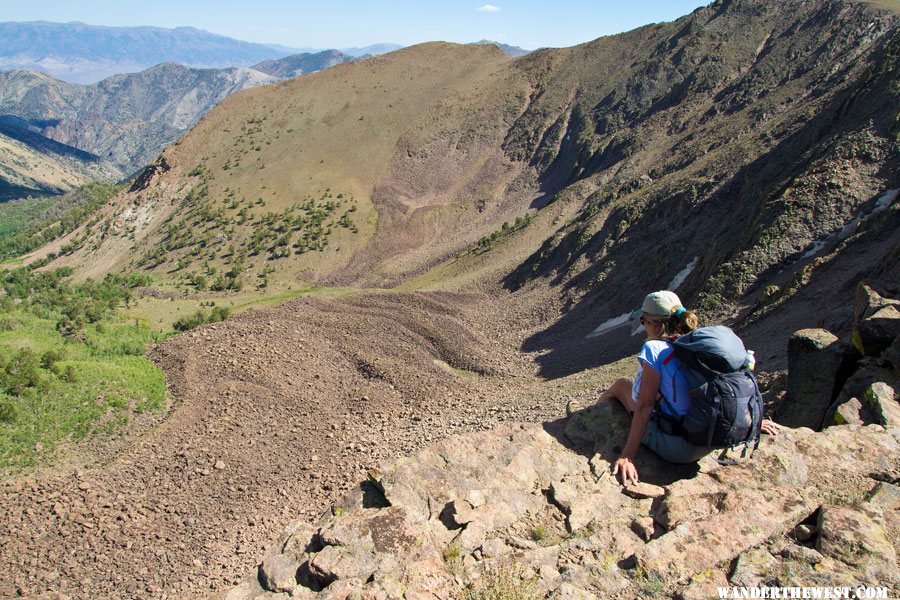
[279,412]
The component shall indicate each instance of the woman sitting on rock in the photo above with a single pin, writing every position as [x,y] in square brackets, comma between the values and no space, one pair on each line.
[659,380]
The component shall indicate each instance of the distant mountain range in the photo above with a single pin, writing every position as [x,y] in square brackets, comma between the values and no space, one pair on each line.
[373,50]
[165,80]
[81,53]
[510,50]
[300,64]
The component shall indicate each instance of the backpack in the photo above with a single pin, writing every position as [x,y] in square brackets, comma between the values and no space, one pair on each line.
[726,406]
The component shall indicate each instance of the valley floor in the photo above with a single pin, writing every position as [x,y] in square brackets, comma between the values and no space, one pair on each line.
[277,414]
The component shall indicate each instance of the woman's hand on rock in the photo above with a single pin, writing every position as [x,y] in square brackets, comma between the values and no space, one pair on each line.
[770,427]
[626,471]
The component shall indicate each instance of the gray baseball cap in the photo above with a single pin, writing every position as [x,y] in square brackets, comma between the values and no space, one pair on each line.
[659,304]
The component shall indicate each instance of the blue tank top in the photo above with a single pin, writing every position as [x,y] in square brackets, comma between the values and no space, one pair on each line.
[673,386]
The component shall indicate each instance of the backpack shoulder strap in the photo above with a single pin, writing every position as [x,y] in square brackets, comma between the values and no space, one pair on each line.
[664,400]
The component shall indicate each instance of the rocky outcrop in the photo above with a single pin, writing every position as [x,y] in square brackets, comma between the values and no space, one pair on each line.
[815,357]
[869,394]
[876,321]
[533,509]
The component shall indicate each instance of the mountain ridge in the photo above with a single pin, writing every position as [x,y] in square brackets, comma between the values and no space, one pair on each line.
[628,139]
[125,119]
[302,63]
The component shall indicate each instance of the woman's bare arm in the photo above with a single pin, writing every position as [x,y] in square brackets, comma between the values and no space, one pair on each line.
[647,396]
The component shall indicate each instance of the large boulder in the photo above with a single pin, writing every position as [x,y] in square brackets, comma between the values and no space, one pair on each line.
[876,322]
[815,358]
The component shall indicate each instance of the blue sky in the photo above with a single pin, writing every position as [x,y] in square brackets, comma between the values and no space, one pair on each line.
[321,24]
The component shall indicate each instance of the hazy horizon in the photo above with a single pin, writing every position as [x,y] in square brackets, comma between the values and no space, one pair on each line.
[529,24]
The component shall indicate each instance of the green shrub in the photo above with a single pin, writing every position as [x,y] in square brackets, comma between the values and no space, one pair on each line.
[51,357]
[39,408]
[70,375]
[539,533]
[21,371]
[201,317]
[55,218]
[7,411]
[451,553]
[191,321]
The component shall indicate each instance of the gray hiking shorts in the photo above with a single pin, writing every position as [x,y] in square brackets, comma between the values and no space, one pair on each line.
[672,448]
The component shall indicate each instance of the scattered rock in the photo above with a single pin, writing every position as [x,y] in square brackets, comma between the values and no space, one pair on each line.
[567,591]
[247,590]
[495,548]
[643,527]
[802,554]
[720,514]
[761,498]
[885,496]
[704,586]
[892,356]
[278,573]
[852,412]
[644,490]
[686,503]
[803,532]
[752,568]
[460,513]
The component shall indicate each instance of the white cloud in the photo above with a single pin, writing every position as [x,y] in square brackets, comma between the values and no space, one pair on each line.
[489,8]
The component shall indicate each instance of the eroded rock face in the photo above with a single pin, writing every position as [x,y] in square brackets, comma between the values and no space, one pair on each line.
[534,508]
[815,357]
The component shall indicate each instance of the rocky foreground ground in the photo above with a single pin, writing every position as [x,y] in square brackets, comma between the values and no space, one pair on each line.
[532,510]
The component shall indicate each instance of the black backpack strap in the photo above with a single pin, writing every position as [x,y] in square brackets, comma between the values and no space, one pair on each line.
[755,433]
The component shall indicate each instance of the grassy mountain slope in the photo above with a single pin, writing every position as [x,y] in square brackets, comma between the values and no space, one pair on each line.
[732,147]
[366,131]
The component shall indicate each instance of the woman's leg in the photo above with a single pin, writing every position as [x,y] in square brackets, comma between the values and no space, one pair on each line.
[621,391]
